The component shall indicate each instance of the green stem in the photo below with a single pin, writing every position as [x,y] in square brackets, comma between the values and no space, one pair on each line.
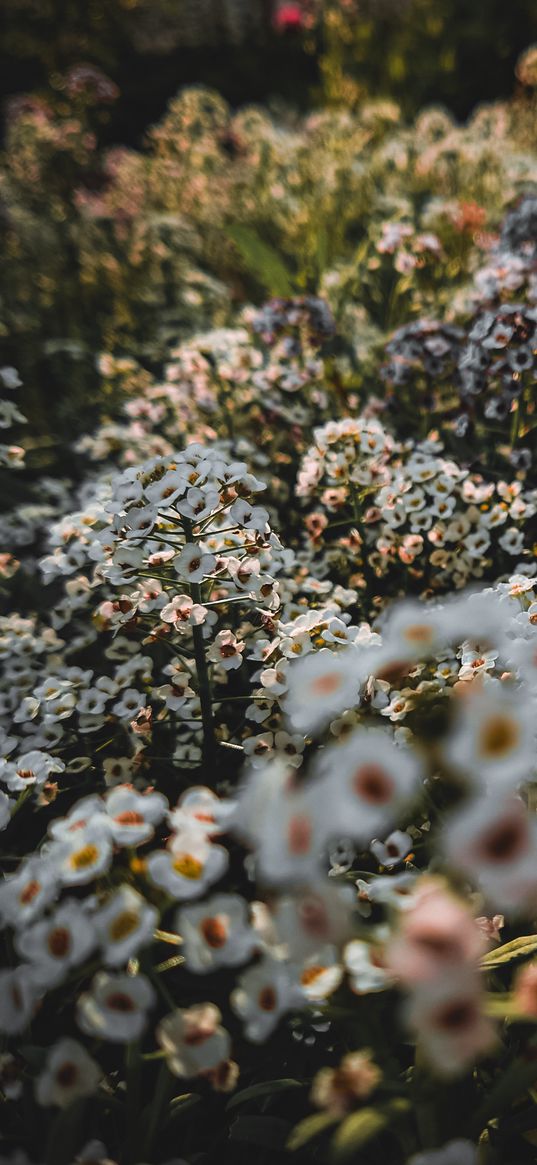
[21,799]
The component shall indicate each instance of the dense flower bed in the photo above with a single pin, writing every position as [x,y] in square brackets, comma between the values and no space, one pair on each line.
[269,667]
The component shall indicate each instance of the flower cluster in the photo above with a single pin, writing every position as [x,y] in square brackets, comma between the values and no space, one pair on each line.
[497,366]
[407,504]
[269,664]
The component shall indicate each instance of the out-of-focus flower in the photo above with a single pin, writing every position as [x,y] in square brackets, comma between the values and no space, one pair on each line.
[338,1090]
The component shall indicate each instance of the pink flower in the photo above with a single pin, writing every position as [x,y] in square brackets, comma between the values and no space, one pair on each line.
[525,990]
[288,16]
[435,933]
[449,1024]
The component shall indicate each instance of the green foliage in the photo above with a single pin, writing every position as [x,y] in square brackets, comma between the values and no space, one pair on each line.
[262,261]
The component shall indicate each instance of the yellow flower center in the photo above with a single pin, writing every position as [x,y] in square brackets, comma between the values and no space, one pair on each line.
[498,737]
[310,974]
[188,867]
[83,858]
[123,925]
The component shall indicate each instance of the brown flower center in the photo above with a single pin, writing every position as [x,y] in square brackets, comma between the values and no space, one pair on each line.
[30,890]
[214,931]
[457,1015]
[299,835]
[504,842]
[120,1001]
[325,685]
[59,942]
[498,737]
[267,999]
[129,817]
[66,1075]
[373,784]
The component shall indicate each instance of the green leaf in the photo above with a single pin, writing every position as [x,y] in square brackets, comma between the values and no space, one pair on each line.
[518,948]
[310,1127]
[267,1088]
[356,1130]
[267,1132]
[262,261]
[181,1105]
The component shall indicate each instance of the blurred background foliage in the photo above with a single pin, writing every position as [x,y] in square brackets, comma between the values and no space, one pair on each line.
[414,51]
[131,216]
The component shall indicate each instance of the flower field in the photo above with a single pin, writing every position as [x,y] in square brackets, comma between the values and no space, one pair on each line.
[268,626]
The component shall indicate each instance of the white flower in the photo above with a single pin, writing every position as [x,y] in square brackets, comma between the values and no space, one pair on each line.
[189,866]
[19,996]
[178,692]
[200,807]
[80,814]
[193,564]
[512,541]
[365,782]
[216,934]
[494,842]
[124,924]
[116,770]
[85,854]
[6,806]
[31,768]
[364,963]
[127,492]
[312,918]
[477,544]
[92,703]
[393,890]
[289,824]
[475,662]
[24,895]
[414,631]
[139,522]
[198,504]
[321,974]
[291,746]
[493,739]
[57,943]
[168,488]
[193,1040]
[322,685]
[264,993]
[256,748]
[393,850]
[183,612]
[397,707]
[69,1074]
[116,1007]
[446,1015]
[226,650]
[133,815]
[130,703]
[248,516]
